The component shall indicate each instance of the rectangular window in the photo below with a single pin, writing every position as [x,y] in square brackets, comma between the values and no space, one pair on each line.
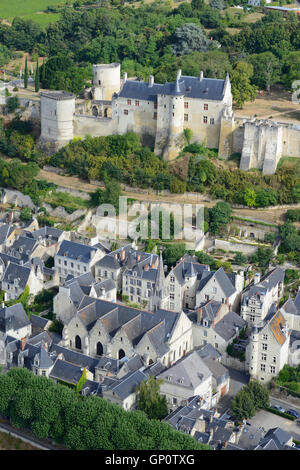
[186,105]
[155,104]
[272,369]
[126,112]
[263,367]
[263,357]
[137,103]
[204,119]
[264,347]
[186,117]
[129,102]
[154,115]
[205,107]
[212,121]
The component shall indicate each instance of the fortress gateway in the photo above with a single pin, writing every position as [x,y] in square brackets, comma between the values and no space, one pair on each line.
[161,112]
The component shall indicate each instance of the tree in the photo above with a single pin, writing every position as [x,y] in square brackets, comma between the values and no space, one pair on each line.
[267,69]
[260,394]
[197,4]
[26,214]
[242,406]
[239,258]
[26,73]
[12,104]
[219,216]
[188,38]
[242,90]
[216,4]
[173,252]
[37,77]
[150,401]
[188,134]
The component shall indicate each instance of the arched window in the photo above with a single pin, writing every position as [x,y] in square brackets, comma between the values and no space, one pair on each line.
[121,353]
[77,342]
[99,349]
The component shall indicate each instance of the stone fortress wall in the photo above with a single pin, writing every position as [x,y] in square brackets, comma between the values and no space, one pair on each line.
[160,113]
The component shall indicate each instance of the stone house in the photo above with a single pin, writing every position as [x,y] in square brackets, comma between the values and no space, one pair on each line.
[186,378]
[182,282]
[268,349]
[258,297]
[72,292]
[219,286]
[75,259]
[215,324]
[101,328]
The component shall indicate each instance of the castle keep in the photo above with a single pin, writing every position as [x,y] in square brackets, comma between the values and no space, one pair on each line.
[161,112]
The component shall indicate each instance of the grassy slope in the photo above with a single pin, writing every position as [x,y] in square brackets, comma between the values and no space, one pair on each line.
[28,10]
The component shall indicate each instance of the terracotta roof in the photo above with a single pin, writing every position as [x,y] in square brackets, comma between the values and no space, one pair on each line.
[276,324]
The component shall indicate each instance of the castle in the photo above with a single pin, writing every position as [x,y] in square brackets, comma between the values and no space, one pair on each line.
[161,112]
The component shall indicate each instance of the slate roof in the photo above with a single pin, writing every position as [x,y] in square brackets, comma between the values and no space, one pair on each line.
[191,87]
[45,361]
[13,317]
[250,437]
[16,271]
[48,233]
[219,372]
[221,278]
[38,322]
[21,245]
[74,357]
[134,322]
[188,372]
[277,435]
[76,251]
[226,327]
[5,231]
[127,385]
[208,351]
[188,267]
[66,372]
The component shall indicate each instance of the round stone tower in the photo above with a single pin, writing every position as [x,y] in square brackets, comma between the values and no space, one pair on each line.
[57,113]
[170,121]
[106,81]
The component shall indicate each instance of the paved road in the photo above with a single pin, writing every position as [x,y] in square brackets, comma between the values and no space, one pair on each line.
[270,420]
[285,404]
[238,380]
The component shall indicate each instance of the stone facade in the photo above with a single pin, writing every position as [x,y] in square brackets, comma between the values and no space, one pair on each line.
[160,113]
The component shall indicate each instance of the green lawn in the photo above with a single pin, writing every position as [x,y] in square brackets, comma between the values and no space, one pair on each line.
[9,9]
[43,19]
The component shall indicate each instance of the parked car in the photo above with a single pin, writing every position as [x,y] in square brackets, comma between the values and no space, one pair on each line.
[279,408]
[293,413]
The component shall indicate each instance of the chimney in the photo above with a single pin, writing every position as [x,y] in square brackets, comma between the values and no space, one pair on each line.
[23,343]
[178,75]
[146,268]
[124,77]
[201,76]
[256,278]
[122,255]
[116,255]
[151,80]
[101,378]
[199,315]
[153,266]
[138,257]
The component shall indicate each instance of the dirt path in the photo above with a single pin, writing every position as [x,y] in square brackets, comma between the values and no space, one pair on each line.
[271,215]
